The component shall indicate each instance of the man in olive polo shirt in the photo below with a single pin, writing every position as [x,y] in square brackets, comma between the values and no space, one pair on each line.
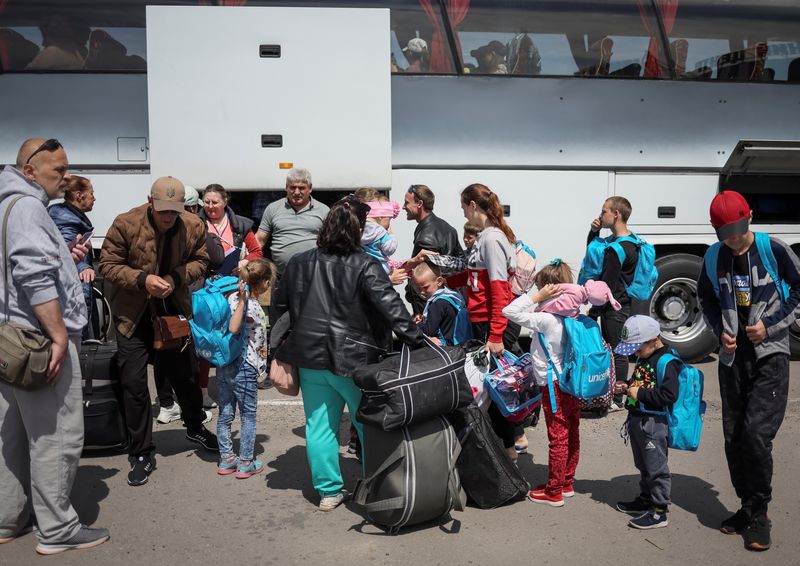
[291,225]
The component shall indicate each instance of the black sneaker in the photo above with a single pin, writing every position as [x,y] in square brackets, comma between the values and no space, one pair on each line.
[635,507]
[651,520]
[736,523]
[756,535]
[141,469]
[85,538]
[204,437]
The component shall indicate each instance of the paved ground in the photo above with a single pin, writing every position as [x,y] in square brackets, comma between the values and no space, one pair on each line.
[187,514]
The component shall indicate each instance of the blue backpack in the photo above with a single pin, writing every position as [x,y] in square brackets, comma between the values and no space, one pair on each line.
[211,316]
[587,362]
[462,329]
[644,276]
[685,417]
[711,261]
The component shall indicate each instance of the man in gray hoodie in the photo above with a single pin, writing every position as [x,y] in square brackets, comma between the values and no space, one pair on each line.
[41,432]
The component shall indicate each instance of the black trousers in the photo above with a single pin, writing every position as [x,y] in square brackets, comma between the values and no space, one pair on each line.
[133,355]
[754,395]
[611,323]
[506,431]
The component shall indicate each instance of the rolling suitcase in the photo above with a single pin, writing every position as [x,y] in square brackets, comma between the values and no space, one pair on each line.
[411,474]
[103,418]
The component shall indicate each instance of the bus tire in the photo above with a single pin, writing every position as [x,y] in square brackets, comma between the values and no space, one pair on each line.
[675,306]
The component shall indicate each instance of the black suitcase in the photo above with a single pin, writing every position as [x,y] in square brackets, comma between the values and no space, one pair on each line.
[487,474]
[411,474]
[413,387]
[103,418]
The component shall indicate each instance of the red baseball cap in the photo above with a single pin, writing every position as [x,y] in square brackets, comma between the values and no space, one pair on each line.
[730,214]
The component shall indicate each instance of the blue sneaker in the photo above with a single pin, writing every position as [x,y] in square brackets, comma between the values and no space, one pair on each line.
[650,520]
[227,465]
[246,470]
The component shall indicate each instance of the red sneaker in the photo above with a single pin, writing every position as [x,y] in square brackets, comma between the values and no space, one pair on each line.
[541,496]
[567,490]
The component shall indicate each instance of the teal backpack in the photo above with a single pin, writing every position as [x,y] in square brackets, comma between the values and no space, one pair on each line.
[462,329]
[211,316]
[645,275]
[685,417]
[587,362]
[711,261]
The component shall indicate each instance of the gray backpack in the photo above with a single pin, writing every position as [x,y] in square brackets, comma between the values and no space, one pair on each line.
[411,474]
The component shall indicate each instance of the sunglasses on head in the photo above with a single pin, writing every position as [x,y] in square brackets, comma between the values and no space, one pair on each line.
[48,145]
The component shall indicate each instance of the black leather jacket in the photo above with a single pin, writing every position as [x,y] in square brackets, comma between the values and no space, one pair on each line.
[436,235]
[343,310]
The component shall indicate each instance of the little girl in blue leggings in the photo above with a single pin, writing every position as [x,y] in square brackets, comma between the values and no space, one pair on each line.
[236,382]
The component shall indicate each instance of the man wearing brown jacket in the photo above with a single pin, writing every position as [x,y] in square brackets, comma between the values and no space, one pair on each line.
[151,255]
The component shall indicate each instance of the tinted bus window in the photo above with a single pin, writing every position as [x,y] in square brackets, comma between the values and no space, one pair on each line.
[731,41]
[94,36]
[559,38]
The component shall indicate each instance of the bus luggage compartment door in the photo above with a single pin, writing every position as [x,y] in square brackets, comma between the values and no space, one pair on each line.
[234,92]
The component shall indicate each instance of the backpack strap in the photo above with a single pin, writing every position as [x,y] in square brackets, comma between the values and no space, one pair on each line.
[764,247]
[527,250]
[711,262]
[616,245]
[551,368]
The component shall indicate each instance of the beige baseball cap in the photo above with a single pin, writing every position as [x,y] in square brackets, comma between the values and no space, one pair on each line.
[168,194]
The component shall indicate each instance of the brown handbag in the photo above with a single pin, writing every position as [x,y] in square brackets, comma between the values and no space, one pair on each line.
[171,332]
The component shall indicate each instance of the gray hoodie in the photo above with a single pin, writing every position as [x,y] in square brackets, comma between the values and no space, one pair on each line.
[42,268]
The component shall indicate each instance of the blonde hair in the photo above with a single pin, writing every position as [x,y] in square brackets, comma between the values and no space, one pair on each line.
[259,271]
[366,194]
[621,205]
[553,273]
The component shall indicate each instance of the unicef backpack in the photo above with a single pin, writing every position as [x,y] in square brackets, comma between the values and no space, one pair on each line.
[211,316]
[685,417]
[462,330]
[645,275]
[764,248]
[522,279]
[587,361]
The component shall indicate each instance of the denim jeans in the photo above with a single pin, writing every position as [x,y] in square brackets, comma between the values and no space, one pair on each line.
[236,384]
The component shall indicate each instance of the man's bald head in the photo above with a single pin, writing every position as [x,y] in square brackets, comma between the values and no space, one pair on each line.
[44,163]
[27,149]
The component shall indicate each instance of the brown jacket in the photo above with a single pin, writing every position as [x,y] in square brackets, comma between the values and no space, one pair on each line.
[133,249]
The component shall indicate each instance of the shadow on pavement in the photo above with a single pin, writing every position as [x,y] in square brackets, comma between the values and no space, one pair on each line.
[89,490]
[290,471]
[690,493]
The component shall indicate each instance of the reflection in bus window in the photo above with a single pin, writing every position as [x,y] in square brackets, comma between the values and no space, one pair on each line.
[734,41]
[559,38]
[63,45]
[417,55]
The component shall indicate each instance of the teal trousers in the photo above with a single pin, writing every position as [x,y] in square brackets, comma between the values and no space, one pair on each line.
[324,397]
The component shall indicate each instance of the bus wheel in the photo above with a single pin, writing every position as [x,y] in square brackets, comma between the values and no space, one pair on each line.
[675,306]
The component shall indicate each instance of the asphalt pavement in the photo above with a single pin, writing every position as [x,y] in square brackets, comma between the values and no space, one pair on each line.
[187,514]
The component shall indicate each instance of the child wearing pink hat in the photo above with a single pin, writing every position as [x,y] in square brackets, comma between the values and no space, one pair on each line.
[543,312]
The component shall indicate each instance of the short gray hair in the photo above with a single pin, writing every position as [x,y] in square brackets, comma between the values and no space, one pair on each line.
[297,175]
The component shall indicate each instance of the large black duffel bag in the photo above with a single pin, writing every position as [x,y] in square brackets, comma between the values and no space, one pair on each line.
[410,474]
[487,474]
[413,387]
[103,419]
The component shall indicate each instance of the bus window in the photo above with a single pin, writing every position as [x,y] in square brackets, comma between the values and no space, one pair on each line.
[733,41]
[54,36]
[559,38]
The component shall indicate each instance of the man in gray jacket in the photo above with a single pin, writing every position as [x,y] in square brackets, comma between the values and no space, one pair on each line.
[41,432]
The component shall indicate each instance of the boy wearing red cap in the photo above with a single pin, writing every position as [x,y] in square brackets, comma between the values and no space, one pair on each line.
[749,292]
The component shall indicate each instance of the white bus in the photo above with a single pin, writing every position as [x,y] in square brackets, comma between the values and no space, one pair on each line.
[555,105]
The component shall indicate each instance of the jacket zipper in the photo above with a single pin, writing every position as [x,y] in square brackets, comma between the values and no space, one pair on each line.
[365,344]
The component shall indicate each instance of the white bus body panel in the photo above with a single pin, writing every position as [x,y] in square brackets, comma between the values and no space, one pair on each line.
[211,95]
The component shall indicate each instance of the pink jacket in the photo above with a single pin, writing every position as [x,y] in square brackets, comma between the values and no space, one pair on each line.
[573,296]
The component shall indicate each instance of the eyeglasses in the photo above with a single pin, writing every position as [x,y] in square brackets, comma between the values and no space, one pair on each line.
[413,190]
[49,145]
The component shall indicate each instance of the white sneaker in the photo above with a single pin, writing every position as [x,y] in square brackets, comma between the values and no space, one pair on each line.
[331,502]
[168,414]
[208,402]
[208,418]
[614,407]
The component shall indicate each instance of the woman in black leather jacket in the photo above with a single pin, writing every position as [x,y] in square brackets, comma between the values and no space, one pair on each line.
[343,309]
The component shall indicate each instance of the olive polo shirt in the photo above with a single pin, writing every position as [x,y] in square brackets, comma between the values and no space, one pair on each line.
[292,231]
